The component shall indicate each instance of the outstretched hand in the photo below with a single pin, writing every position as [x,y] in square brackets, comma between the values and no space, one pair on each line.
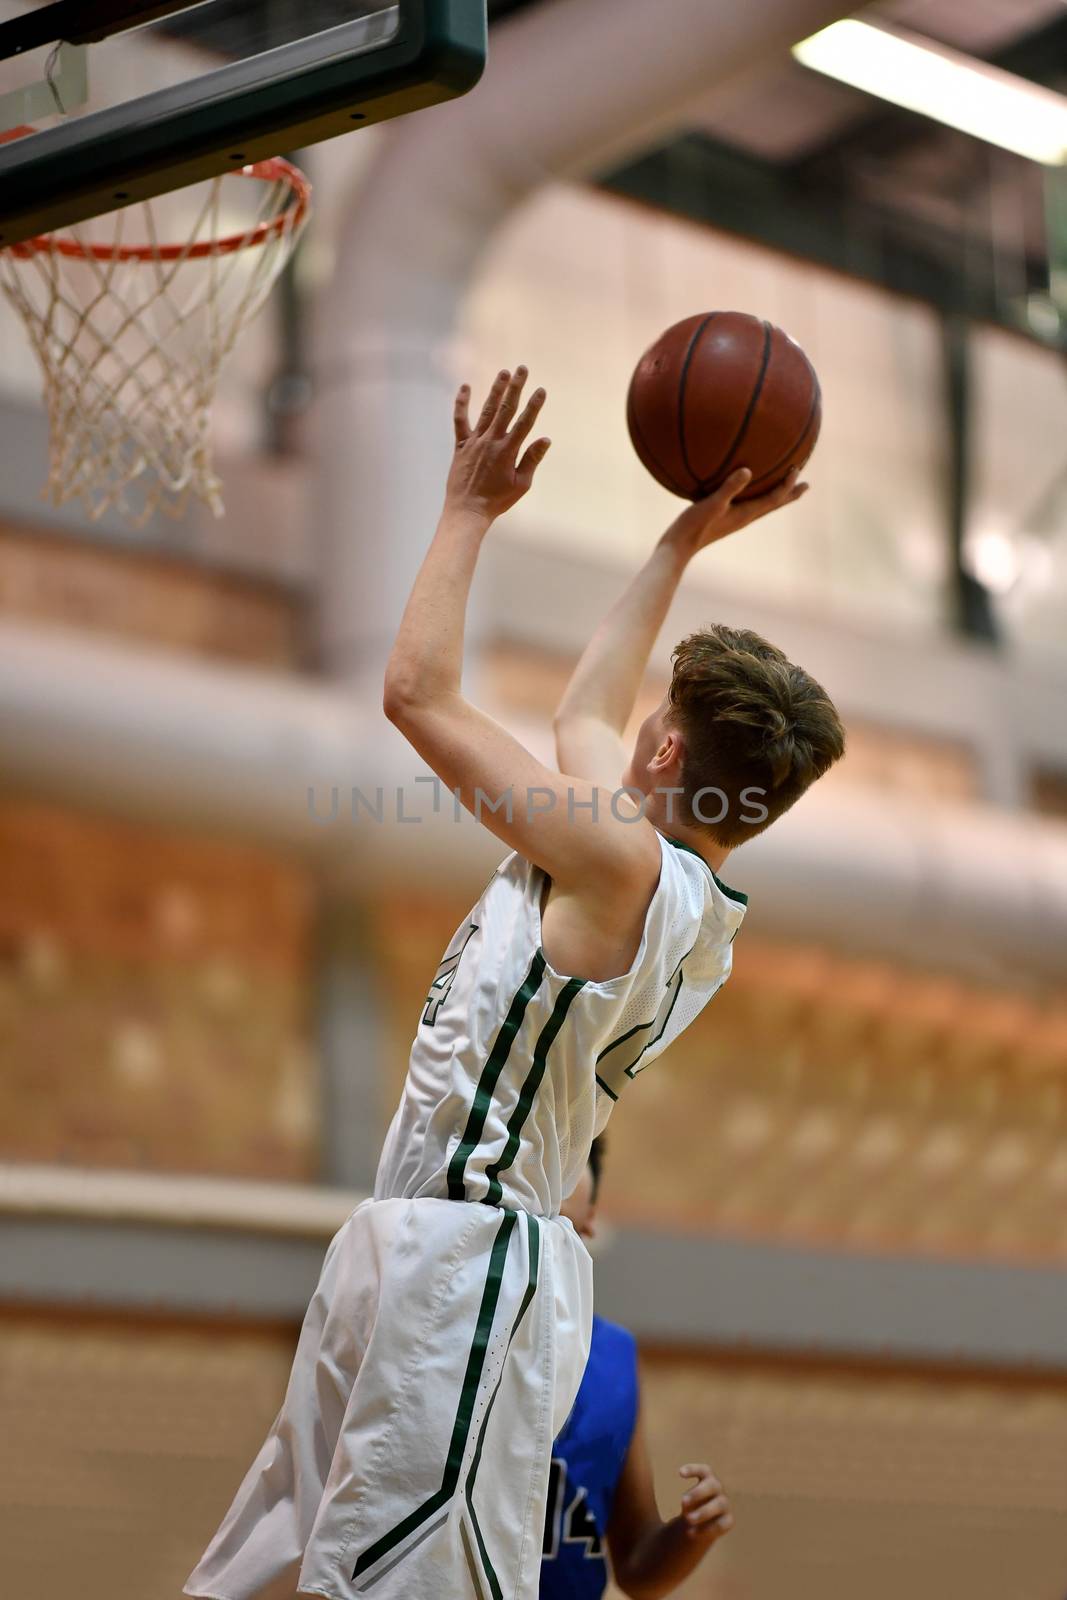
[709,520]
[487,475]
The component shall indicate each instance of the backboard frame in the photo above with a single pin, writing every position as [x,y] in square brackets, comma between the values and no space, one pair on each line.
[282,99]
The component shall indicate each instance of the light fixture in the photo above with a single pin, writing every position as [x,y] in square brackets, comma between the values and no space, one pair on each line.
[942,84]
[994,558]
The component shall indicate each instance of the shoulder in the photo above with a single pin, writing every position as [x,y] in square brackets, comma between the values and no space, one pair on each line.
[729,904]
[618,860]
[613,1341]
[615,1378]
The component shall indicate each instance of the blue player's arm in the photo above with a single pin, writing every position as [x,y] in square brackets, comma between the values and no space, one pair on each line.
[650,1557]
[607,859]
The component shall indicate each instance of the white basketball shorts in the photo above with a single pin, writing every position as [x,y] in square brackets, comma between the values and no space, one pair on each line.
[439,1357]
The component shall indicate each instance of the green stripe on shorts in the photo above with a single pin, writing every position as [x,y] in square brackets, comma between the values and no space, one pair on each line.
[533,1241]
[462,1425]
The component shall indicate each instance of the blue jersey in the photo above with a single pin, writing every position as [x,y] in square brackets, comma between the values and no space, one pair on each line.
[587,1461]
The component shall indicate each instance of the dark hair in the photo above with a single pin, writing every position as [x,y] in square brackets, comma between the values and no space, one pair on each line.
[596,1161]
[750,721]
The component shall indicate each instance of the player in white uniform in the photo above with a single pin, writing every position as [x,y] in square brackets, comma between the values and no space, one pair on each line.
[446,1339]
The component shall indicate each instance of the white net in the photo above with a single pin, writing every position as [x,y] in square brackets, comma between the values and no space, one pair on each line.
[131,336]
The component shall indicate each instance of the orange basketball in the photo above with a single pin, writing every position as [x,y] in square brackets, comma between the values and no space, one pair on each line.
[720,391]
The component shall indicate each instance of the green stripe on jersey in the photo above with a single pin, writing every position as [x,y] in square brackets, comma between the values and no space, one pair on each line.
[483,1095]
[731,894]
[545,1039]
[462,1426]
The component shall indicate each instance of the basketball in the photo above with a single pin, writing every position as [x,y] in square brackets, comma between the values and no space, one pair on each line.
[720,391]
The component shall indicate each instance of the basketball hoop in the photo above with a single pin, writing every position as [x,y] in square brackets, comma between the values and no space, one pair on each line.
[131,337]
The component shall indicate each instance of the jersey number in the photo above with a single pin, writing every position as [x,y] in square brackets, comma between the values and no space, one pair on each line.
[620,1059]
[444,977]
[569,1524]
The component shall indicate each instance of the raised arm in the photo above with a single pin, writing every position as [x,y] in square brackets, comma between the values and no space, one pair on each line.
[561,823]
[600,697]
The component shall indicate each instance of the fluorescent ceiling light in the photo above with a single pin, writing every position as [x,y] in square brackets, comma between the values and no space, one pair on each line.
[942,84]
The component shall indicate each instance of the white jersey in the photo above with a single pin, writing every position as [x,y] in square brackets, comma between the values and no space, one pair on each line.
[516,1067]
[444,1344]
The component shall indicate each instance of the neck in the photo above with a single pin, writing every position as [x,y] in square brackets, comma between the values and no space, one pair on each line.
[696,838]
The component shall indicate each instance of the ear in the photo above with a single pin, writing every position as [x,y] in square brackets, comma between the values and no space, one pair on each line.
[669,752]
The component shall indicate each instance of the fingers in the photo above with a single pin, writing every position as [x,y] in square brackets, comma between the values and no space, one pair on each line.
[489,410]
[787,491]
[502,403]
[532,460]
[705,1506]
[790,490]
[707,1482]
[461,414]
[509,402]
[521,431]
[710,1522]
[744,512]
[735,484]
[699,1516]
[785,494]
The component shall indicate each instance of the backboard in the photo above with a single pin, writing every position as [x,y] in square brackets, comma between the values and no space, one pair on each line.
[107,102]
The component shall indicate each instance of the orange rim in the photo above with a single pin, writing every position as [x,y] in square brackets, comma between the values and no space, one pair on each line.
[274,170]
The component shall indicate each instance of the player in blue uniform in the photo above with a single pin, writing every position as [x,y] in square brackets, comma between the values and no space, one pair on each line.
[601,1498]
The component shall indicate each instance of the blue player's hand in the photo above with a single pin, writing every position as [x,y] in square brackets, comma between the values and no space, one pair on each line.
[705,1508]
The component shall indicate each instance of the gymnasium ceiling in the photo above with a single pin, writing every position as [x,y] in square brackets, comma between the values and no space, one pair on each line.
[811,111]
[810,165]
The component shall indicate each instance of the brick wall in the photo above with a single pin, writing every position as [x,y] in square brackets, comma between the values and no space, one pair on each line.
[137,595]
[869,1483]
[153,999]
[823,1100]
[845,1483]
